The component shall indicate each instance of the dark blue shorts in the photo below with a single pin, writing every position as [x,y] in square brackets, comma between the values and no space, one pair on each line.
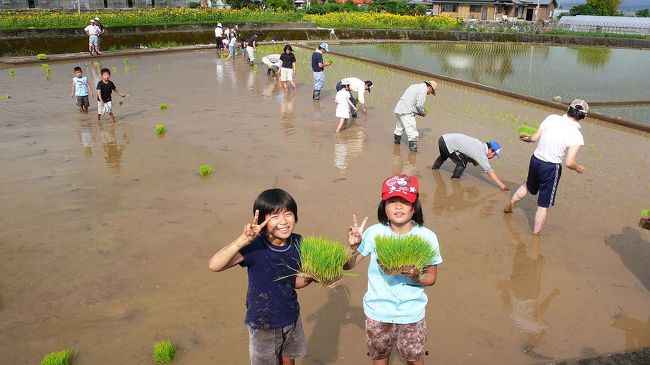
[543,177]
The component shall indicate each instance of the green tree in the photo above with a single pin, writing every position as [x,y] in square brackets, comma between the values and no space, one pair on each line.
[643,13]
[583,9]
[605,7]
[237,4]
[278,4]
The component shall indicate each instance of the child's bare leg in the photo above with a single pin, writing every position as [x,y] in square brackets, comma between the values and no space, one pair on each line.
[284,85]
[99,117]
[112,117]
[287,361]
[294,85]
[517,196]
[419,361]
[341,125]
[383,361]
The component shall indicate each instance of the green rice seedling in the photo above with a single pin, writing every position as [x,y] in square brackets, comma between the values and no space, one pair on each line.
[41,56]
[63,357]
[322,260]
[205,170]
[126,62]
[330,61]
[163,106]
[527,131]
[5,97]
[164,351]
[403,254]
[645,213]
[426,110]
[12,72]
[96,63]
[160,129]
[126,69]
[114,69]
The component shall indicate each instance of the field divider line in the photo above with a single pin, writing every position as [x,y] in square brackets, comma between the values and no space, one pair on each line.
[511,94]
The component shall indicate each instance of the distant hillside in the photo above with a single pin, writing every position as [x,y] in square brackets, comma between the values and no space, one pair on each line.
[625,5]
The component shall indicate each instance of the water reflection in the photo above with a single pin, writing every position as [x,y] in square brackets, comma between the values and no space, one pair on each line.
[594,57]
[521,293]
[348,145]
[87,137]
[114,145]
[286,113]
[637,332]
[401,165]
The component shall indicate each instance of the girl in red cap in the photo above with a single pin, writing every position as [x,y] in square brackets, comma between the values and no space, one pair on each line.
[395,304]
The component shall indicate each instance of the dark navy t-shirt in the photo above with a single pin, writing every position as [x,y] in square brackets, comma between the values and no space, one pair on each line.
[316,58]
[271,301]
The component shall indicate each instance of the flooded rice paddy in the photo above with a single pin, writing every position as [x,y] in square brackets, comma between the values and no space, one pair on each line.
[591,73]
[106,230]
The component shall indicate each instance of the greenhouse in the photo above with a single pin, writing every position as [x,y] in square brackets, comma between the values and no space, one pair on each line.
[607,24]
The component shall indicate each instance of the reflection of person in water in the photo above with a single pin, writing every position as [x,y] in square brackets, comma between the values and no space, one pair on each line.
[323,343]
[459,198]
[521,292]
[637,333]
[348,146]
[87,137]
[113,150]
[403,166]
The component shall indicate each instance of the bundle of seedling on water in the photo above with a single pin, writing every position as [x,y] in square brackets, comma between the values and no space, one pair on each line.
[645,219]
[63,357]
[406,255]
[164,351]
[160,129]
[205,170]
[322,260]
[527,131]
[41,56]
[163,106]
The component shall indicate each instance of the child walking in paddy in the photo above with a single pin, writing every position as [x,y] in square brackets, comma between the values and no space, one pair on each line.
[343,106]
[81,90]
[105,88]
[395,304]
[270,252]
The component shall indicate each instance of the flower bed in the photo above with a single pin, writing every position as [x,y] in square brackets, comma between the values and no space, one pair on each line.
[383,21]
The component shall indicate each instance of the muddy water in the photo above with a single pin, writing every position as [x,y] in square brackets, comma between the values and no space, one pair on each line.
[106,230]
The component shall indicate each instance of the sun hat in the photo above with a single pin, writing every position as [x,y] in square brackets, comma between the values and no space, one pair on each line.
[218,24]
[581,105]
[325,47]
[433,84]
[92,20]
[404,186]
[96,19]
[496,147]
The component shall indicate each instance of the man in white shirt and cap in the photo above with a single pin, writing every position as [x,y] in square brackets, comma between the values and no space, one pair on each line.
[273,64]
[360,87]
[93,32]
[558,138]
[408,106]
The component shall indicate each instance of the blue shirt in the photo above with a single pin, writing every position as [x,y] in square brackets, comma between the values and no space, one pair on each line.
[271,301]
[396,298]
[80,86]
[317,58]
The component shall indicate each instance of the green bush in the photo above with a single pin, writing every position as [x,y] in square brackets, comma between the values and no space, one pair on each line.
[194,4]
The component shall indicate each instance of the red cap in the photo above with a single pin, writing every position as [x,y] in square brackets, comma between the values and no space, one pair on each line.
[404,186]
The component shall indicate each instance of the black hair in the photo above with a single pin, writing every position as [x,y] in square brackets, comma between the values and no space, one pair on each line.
[77,69]
[105,70]
[287,46]
[368,83]
[418,217]
[272,201]
[576,112]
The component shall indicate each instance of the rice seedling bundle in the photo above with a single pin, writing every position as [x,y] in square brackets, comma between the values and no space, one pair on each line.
[114,69]
[160,129]
[426,110]
[527,131]
[63,357]
[403,254]
[330,61]
[205,170]
[163,106]
[12,72]
[41,56]
[322,260]
[164,351]
[645,219]
[645,213]
[5,97]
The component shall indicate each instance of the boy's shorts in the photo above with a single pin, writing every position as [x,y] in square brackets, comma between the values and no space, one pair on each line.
[103,108]
[409,339]
[266,346]
[82,101]
[93,40]
[286,74]
[543,177]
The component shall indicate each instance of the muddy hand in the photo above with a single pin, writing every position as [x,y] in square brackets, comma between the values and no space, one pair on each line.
[252,230]
[355,231]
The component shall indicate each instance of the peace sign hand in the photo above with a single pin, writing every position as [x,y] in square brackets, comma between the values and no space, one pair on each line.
[355,231]
[252,230]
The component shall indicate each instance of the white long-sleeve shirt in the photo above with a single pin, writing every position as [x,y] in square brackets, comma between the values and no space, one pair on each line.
[412,102]
[357,85]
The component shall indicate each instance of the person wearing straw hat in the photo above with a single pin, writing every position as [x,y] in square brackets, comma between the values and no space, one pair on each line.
[318,66]
[218,35]
[462,149]
[93,31]
[408,106]
[360,87]
[558,138]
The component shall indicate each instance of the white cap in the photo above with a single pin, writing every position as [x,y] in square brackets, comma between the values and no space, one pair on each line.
[97,19]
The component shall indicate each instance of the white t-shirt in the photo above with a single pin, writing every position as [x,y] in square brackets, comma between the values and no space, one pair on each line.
[92,29]
[342,97]
[218,32]
[558,134]
[357,85]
